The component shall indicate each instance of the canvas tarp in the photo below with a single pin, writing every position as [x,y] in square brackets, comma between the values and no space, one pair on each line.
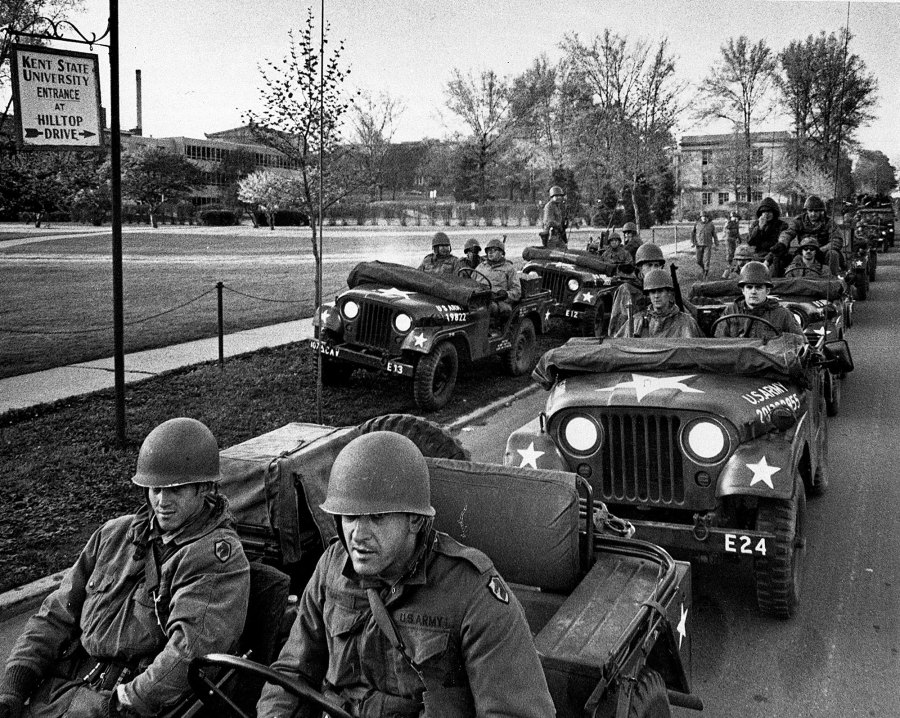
[777,358]
[785,288]
[578,257]
[456,290]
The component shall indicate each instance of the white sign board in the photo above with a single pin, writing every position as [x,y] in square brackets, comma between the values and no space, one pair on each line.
[57,98]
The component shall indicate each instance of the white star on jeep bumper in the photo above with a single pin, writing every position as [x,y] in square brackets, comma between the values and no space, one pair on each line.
[530,456]
[763,473]
[644,385]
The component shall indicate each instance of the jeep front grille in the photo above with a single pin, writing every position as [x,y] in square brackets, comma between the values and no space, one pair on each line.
[373,327]
[555,282]
[640,460]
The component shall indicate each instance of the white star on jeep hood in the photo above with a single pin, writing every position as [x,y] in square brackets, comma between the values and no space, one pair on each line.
[763,473]
[530,456]
[644,385]
[393,292]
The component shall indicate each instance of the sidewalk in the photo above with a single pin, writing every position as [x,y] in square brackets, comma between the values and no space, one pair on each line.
[53,384]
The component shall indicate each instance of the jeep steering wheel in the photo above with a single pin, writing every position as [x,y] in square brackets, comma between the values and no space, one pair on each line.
[792,270]
[728,317]
[210,694]
[473,270]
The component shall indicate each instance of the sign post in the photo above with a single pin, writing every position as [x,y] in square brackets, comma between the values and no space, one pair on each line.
[57,98]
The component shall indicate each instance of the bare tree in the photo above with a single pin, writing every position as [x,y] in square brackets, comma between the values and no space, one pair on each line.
[738,89]
[812,178]
[374,124]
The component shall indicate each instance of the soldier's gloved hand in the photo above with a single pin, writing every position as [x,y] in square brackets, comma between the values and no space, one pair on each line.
[780,249]
[501,294]
[11,705]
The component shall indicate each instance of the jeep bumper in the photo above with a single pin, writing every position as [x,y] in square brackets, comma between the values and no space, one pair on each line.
[368,361]
[701,539]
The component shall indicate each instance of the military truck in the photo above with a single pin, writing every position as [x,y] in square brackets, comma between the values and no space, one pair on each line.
[397,320]
[612,616]
[708,446]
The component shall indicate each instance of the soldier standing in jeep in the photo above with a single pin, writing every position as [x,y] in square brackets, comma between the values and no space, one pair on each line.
[440,261]
[812,223]
[773,319]
[615,253]
[662,318]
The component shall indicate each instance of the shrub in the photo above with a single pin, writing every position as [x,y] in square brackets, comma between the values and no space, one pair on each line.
[218,218]
[284,218]
[532,212]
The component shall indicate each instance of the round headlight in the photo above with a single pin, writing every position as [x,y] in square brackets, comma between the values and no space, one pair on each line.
[351,309]
[799,318]
[706,441]
[581,435]
[403,323]
[573,284]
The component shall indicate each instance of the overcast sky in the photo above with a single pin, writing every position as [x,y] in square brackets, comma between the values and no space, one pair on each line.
[200,59]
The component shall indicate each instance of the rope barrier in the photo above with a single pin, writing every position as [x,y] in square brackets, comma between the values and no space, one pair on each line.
[263,299]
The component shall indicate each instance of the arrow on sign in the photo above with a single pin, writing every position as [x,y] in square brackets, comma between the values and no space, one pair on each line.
[31,132]
[85,133]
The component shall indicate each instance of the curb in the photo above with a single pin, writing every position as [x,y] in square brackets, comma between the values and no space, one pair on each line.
[27,597]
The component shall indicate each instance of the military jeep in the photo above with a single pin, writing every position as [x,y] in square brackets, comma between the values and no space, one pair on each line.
[612,616]
[402,321]
[581,286]
[875,224]
[708,446]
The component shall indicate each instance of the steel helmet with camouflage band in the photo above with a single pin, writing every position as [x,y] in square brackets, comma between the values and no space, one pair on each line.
[472,244]
[755,273]
[648,253]
[556,191]
[495,244]
[381,472]
[178,452]
[440,239]
[814,204]
[744,251]
[658,279]
[809,241]
[629,227]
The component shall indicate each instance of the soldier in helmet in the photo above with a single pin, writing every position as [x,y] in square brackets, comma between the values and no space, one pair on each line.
[811,223]
[632,239]
[743,254]
[732,236]
[630,293]
[755,283]
[149,592]
[615,253]
[662,318]
[808,261]
[473,258]
[703,239]
[440,261]
[554,221]
[399,619]
[504,280]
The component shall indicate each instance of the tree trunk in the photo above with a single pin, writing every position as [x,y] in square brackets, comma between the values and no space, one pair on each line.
[153,220]
[271,217]
[634,204]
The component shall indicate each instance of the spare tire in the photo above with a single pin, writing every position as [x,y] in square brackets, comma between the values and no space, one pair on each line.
[432,439]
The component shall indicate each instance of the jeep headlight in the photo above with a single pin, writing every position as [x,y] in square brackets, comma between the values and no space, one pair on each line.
[350,309]
[581,434]
[573,284]
[706,441]
[403,323]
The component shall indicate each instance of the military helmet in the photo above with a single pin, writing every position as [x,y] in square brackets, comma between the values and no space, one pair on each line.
[744,251]
[658,279]
[381,472]
[755,273]
[440,238]
[613,236]
[472,244]
[177,452]
[495,244]
[557,191]
[809,241]
[814,204]
[629,227]
[648,253]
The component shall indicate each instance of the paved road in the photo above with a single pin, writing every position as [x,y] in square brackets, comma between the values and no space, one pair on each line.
[840,656]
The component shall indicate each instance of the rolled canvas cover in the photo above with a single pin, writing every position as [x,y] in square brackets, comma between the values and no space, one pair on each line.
[525,520]
[455,290]
[776,358]
[578,257]
[786,288]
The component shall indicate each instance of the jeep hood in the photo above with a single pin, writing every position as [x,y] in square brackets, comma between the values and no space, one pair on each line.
[431,288]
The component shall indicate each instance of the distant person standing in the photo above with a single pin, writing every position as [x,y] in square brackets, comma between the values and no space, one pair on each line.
[704,238]
[732,236]
[554,221]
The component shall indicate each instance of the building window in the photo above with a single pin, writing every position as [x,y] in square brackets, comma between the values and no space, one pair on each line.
[723,197]
[756,178]
[704,179]
[705,157]
[757,196]
[706,198]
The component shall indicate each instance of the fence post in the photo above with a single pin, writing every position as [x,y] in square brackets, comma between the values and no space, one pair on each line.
[653,234]
[219,286]
[676,238]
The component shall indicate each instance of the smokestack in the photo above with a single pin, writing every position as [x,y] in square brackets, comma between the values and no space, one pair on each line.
[139,130]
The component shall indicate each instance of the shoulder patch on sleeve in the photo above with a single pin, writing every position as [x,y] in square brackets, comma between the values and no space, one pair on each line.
[222,550]
[498,589]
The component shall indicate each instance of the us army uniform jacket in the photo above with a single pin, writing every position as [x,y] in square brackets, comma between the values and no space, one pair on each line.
[770,310]
[104,601]
[619,255]
[670,323]
[440,265]
[627,290]
[462,629]
[502,276]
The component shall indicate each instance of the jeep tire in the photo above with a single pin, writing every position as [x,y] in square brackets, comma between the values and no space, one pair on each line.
[431,438]
[520,357]
[435,377]
[778,574]
[649,698]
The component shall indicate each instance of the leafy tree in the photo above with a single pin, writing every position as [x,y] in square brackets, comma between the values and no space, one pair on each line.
[873,173]
[813,179]
[438,166]
[33,182]
[483,104]
[153,175]
[467,177]
[269,191]
[374,124]
[663,193]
